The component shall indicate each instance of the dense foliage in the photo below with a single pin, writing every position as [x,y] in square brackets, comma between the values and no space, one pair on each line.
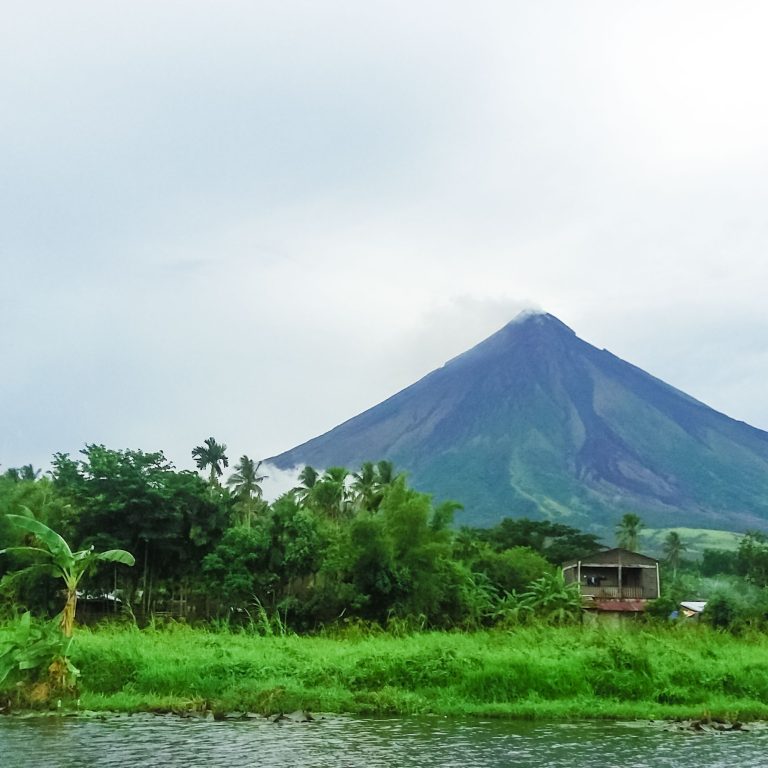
[341,547]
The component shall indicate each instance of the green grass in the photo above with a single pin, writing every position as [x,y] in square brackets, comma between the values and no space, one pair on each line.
[549,673]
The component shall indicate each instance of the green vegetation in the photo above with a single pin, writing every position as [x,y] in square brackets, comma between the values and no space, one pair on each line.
[351,593]
[245,483]
[531,672]
[35,656]
[628,531]
[211,454]
[36,650]
[341,546]
[55,558]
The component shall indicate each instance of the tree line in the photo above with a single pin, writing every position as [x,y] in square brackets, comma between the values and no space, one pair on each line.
[341,546]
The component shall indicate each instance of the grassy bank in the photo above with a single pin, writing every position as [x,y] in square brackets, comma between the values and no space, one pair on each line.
[527,673]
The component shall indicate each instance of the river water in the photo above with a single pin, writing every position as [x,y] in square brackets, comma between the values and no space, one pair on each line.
[348,742]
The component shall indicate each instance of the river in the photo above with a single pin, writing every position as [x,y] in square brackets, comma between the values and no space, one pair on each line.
[349,742]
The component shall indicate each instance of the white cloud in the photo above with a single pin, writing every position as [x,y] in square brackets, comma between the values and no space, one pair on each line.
[279,481]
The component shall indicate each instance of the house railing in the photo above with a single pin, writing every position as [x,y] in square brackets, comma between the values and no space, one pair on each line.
[616,593]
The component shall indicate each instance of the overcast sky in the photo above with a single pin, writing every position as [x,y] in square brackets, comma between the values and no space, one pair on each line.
[255,220]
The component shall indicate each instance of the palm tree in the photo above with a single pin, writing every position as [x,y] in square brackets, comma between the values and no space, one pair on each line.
[628,531]
[385,471]
[28,472]
[308,478]
[673,550]
[330,493]
[245,481]
[365,486]
[370,483]
[212,455]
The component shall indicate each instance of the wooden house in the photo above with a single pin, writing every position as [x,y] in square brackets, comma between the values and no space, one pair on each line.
[615,582]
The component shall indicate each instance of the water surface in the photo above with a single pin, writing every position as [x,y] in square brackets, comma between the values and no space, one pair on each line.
[348,742]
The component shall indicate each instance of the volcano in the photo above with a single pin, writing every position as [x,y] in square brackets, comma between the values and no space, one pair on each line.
[535,422]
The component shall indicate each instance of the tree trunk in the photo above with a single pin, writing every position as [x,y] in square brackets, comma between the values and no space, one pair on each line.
[68,614]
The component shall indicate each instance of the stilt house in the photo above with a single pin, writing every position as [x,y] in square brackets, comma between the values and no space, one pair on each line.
[615,582]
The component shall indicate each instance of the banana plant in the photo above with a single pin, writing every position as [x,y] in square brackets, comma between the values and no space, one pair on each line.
[37,645]
[550,598]
[57,559]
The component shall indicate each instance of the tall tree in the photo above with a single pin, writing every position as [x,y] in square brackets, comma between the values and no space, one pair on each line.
[365,486]
[330,495]
[628,531]
[752,558]
[555,541]
[245,482]
[139,502]
[308,478]
[385,471]
[370,482]
[28,472]
[673,551]
[213,455]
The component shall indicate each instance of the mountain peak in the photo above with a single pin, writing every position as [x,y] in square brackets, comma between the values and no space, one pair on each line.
[537,317]
[532,329]
[529,315]
[534,421]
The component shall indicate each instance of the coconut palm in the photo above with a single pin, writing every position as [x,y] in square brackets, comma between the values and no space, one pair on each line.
[213,455]
[673,551]
[385,472]
[365,486]
[628,531]
[308,478]
[28,472]
[25,473]
[369,484]
[330,494]
[245,481]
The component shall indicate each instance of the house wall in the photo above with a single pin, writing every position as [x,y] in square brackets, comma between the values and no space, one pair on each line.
[650,583]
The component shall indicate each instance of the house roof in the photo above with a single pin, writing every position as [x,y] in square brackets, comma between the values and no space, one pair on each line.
[697,606]
[613,557]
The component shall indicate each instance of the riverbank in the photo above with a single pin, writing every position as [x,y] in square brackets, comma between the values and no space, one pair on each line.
[549,673]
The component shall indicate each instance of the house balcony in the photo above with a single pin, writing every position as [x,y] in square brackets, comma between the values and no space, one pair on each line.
[619,593]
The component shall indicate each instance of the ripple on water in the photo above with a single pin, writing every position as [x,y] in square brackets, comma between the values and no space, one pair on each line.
[346,742]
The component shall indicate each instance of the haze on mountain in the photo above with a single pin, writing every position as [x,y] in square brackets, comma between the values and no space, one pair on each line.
[536,422]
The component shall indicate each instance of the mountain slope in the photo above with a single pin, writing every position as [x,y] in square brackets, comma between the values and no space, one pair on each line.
[534,421]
